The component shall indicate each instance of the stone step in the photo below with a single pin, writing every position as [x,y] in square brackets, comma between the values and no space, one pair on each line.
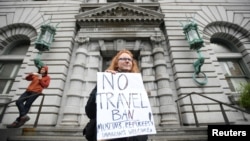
[178,138]
[78,138]
[75,134]
[52,131]
[78,131]
[46,138]
[181,131]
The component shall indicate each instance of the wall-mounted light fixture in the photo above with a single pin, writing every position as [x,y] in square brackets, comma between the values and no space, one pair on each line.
[195,42]
[45,37]
[43,42]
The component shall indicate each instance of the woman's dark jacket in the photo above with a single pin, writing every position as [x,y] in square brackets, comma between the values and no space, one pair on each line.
[90,110]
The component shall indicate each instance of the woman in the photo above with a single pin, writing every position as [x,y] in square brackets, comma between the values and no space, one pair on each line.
[122,62]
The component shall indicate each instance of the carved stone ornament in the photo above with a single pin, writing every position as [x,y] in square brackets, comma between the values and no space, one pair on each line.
[120,12]
[157,39]
[82,40]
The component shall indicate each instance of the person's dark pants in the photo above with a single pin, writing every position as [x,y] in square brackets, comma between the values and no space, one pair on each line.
[23,104]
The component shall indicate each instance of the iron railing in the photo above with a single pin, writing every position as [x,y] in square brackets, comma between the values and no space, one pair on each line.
[39,110]
[217,101]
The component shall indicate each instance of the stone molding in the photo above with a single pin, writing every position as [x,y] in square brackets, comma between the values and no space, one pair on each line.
[120,12]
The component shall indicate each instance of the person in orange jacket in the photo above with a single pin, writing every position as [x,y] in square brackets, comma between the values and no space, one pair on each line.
[39,81]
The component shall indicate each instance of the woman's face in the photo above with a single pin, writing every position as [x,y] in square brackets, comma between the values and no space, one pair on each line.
[125,62]
[43,70]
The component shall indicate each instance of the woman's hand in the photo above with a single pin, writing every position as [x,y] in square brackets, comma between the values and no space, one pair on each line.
[38,75]
[35,73]
[111,71]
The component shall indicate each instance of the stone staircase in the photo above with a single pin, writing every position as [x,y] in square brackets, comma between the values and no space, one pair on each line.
[75,134]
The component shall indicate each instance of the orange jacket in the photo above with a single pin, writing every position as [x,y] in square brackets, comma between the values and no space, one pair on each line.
[37,85]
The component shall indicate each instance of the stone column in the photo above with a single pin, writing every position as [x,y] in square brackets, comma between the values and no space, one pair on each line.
[93,65]
[164,92]
[72,109]
[148,76]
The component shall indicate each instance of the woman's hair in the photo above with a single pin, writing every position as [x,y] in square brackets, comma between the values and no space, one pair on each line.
[46,70]
[114,63]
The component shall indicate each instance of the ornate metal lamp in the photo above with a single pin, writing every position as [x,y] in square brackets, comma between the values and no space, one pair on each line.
[195,42]
[193,36]
[45,37]
[43,42]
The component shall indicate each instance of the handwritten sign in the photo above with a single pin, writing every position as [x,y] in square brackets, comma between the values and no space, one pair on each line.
[123,108]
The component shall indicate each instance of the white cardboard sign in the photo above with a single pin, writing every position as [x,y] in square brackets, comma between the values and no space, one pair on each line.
[123,108]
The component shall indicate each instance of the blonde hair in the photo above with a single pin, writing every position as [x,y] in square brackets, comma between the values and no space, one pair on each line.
[114,63]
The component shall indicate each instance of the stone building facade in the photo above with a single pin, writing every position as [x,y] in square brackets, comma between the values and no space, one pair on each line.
[91,32]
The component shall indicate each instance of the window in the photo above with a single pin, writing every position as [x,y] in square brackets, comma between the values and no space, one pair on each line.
[232,66]
[234,73]
[10,62]
[8,72]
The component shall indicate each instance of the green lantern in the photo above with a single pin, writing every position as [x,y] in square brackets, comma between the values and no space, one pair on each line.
[45,37]
[193,36]
[43,42]
[195,42]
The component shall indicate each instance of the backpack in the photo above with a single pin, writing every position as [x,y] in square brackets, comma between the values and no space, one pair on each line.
[89,131]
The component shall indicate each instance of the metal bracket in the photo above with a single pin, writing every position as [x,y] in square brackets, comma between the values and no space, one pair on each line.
[197,67]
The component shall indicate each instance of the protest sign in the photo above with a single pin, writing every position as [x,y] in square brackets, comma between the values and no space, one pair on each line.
[123,108]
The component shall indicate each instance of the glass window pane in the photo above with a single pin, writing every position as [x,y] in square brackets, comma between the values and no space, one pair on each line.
[224,68]
[2,85]
[231,68]
[5,86]
[236,83]
[230,84]
[234,68]
[8,70]
[234,74]
[8,73]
